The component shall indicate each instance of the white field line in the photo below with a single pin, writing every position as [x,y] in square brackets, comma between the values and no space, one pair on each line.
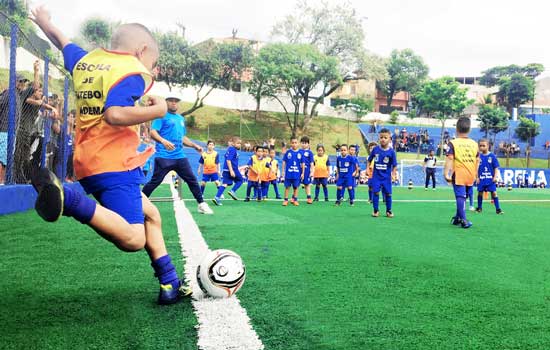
[406,200]
[223,323]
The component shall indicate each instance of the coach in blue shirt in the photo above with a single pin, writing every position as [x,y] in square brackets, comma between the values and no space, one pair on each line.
[169,134]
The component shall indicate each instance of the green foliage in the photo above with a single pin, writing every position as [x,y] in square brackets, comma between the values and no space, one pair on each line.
[515,90]
[493,119]
[190,122]
[443,97]
[394,115]
[546,110]
[412,114]
[492,76]
[96,32]
[18,14]
[527,129]
[406,72]
[364,105]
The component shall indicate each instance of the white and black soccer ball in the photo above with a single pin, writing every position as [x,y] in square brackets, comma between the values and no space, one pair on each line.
[221,273]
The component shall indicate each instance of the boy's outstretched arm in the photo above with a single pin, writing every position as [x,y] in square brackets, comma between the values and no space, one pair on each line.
[42,18]
[127,116]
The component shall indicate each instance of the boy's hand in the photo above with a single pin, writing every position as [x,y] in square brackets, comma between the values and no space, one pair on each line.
[448,179]
[159,103]
[168,145]
[40,16]
[36,65]
[231,173]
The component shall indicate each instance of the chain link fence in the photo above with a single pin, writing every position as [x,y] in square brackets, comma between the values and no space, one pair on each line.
[36,107]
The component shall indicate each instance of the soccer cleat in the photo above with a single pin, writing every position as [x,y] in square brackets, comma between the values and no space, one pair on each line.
[258,199]
[499,212]
[375,214]
[233,195]
[295,203]
[285,203]
[326,199]
[351,204]
[247,199]
[472,208]
[216,201]
[203,208]
[479,210]
[49,203]
[309,201]
[316,199]
[466,224]
[278,197]
[455,220]
[168,295]
[337,203]
[389,214]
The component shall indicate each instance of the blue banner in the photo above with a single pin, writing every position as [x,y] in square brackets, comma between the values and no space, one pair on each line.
[518,176]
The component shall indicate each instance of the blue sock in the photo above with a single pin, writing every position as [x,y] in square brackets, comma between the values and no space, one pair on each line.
[471,198]
[370,194]
[165,271]
[236,186]
[220,191]
[460,207]
[317,189]
[202,189]
[351,194]
[325,191]
[338,194]
[248,189]
[497,204]
[388,202]
[375,201]
[77,205]
[480,200]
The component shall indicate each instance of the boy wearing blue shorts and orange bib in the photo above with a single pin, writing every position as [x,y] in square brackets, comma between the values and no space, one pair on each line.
[209,164]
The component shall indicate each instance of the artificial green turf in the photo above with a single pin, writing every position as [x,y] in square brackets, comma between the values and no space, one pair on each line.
[325,277]
[64,287]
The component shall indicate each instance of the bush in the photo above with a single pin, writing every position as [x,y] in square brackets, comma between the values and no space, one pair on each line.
[190,122]
[394,115]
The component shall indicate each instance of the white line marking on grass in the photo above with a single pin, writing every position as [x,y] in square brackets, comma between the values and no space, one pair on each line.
[223,323]
[413,200]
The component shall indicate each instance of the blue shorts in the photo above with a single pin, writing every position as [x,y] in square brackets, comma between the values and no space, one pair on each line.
[345,182]
[487,187]
[295,183]
[228,180]
[119,192]
[4,148]
[210,177]
[320,181]
[462,190]
[378,185]
[307,177]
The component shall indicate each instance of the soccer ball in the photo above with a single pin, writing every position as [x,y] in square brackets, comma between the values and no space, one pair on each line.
[221,273]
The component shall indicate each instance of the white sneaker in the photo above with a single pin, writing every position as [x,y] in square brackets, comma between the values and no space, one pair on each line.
[472,209]
[203,208]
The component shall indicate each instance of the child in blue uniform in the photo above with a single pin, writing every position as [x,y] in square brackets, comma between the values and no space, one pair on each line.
[230,173]
[346,169]
[487,175]
[385,168]
[293,168]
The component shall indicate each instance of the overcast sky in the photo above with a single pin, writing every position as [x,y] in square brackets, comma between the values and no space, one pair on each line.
[455,37]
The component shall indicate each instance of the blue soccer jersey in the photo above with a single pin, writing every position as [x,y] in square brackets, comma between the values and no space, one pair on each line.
[346,166]
[487,167]
[293,164]
[232,155]
[307,158]
[384,162]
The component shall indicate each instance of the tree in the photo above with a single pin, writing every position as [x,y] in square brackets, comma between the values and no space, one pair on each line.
[206,67]
[406,72]
[262,83]
[515,90]
[336,31]
[493,119]
[492,76]
[526,130]
[444,98]
[18,13]
[96,32]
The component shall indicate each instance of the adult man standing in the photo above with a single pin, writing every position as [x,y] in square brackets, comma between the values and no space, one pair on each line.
[169,134]
[429,169]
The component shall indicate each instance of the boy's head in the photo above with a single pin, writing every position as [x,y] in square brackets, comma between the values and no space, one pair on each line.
[305,142]
[344,150]
[384,137]
[463,125]
[272,152]
[320,150]
[484,146]
[294,143]
[235,141]
[259,151]
[136,39]
[352,150]
[431,153]
[210,145]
